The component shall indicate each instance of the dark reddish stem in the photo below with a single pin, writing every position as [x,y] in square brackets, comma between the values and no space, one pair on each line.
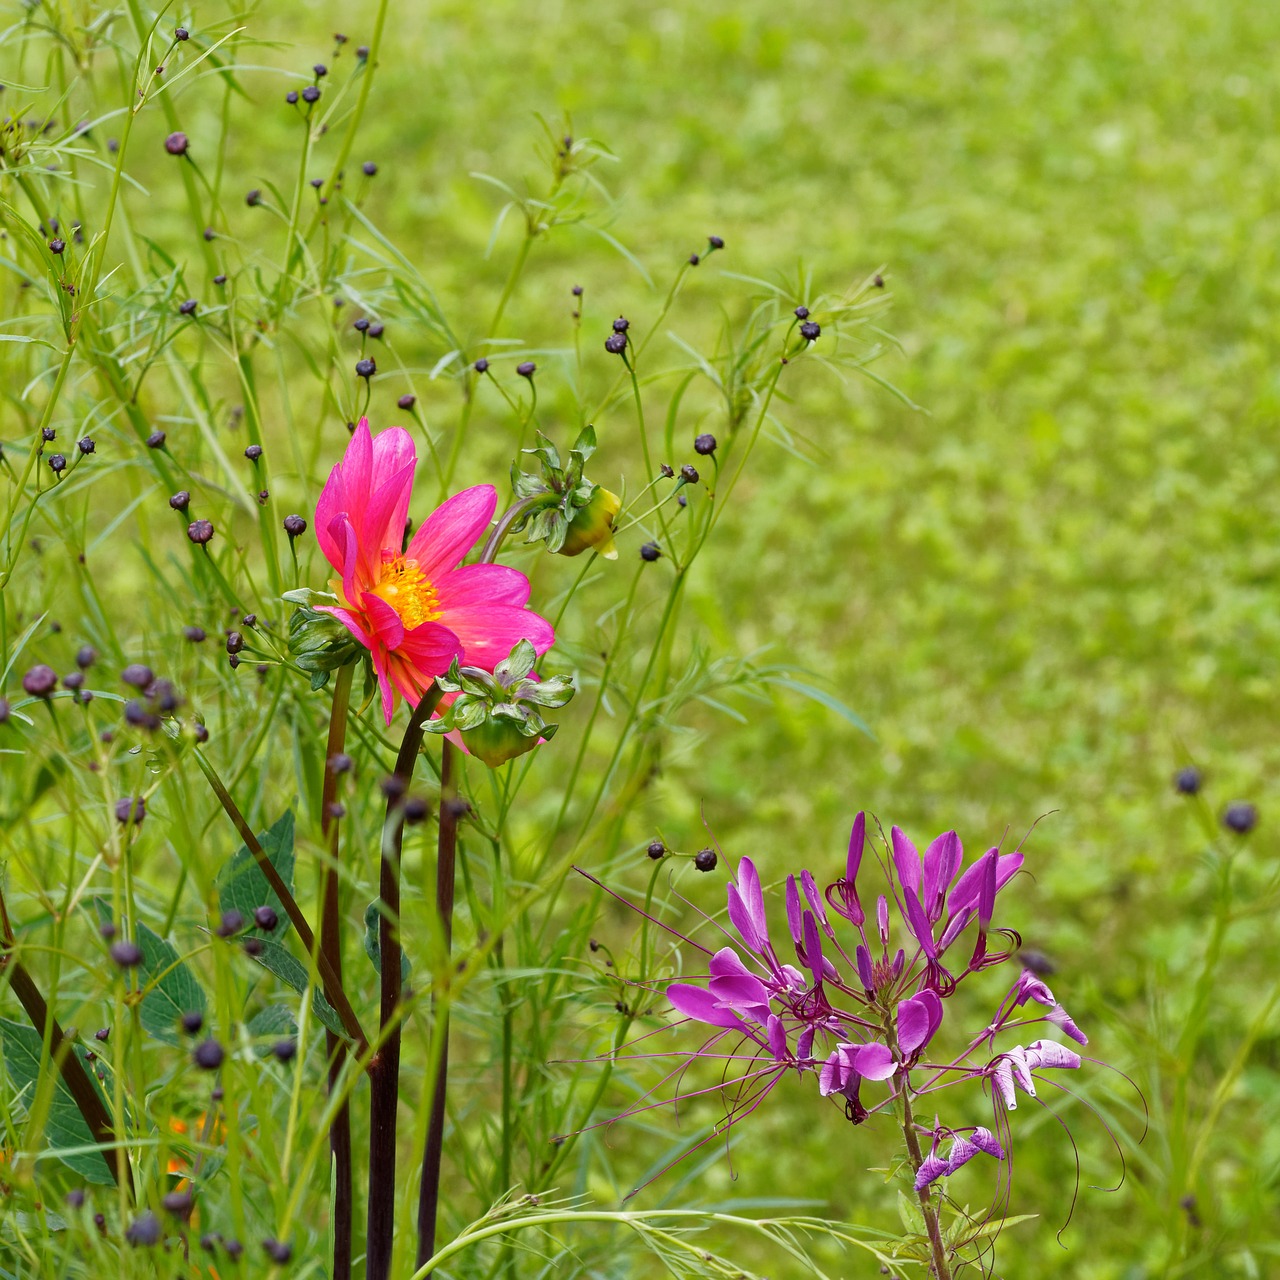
[384,1066]
[331,949]
[433,1151]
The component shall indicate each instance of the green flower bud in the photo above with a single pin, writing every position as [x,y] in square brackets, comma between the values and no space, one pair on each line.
[501,738]
[592,526]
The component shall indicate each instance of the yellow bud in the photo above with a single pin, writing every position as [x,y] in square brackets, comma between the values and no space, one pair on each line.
[592,526]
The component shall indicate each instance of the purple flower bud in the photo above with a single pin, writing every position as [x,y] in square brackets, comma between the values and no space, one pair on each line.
[192,1021]
[277,1250]
[86,445]
[715,242]
[810,331]
[526,369]
[705,859]
[1240,817]
[180,500]
[292,97]
[208,1055]
[156,440]
[57,246]
[128,955]
[415,810]
[144,1230]
[48,434]
[406,402]
[265,917]
[311,94]
[200,531]
[615,344]
[366,367]
[1187,780]
[253,452]
[220,279]
[285,1050]
[656,850]
[178,1203]
[931,1169]
[705,444]
[802,313]
[231,924]
[369,168]
[40,681]
[481,365]
[176,144]
[376,330]
[650,552]
[985,1140]
[194,634]
[188,308]
[621,324]
[253,198]
[689,474]
[181,33]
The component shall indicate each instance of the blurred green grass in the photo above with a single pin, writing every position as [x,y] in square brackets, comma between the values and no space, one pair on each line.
[1045,588]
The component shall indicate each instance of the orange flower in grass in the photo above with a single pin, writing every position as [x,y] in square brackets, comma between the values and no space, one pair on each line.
[418,607]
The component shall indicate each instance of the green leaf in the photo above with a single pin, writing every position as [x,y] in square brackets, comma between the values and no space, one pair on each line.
[64,1126]
[271,1024]
[373,942]
[242,886]
[830,701]
[293,973]
[171,987]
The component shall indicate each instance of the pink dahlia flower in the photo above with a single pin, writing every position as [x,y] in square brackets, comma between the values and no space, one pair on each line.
[417,608]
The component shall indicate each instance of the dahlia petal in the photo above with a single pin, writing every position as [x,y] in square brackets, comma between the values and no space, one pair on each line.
[907,862]
[931,1169]
[873,1061]
[430,648]
[452,529]
[345,490]
[379,525]
[700,1005]
[350,621]
[385,685]
[383,620]
[489,632]
[343,534]
[481,584]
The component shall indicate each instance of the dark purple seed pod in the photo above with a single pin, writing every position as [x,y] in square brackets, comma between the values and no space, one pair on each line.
[253,947]
[481,365]
[656,850]
[73,680]
[265,917]
[291,97]
[102,1035]
[128,955]
[178,1203]
[694,259]
[277,1250]
[1037,962]
[415,809]
[285,1050]
[406,402]
[576,291]
[253,452]
[57,246]
[250,619]
[208,1055]
[86,656]
[181,500]
[317,183]
[233,1247]
[336,809]
[220,279]
[715,242]
[75,1198]
[48,434]
[107,930]
[811,331]
[181,33]
[40,681]
[878,281]
[235,642]
[156,440]
[705,859]
[200,733]
[1240,817]
[138,716]
[369,168]
[188,308]
[321,70]
[393,786]
[340,763]
[621,324]
[689,474]
[209,1241]
[705,444]
[802,313]
[200,531]
[209,233]
[253,198]
[176,144]
[362,52]
[192,1022]
[144,1231]
[376,330]
[526,369]
[650,552]
[667,470]
[366,368]
[231,923]
[233,661]
[86,445]
[295,526]
[361,325]
[194,634]
[615,344]
[138,675]
[311,94]
[1187,780]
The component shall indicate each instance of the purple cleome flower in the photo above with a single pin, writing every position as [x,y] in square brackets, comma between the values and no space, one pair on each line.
[862,1016]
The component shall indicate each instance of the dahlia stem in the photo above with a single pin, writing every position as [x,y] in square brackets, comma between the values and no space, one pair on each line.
[433,1151]
[941,1265]
[62,1051]
[331,948]
[384,1066]
[329,982]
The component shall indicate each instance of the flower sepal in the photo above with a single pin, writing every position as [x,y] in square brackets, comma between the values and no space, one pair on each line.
[568,512]
[498,714]
[318,642]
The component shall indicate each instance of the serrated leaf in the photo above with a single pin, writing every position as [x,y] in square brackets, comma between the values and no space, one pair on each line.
[909,1212]
[273,1022]
[64,1126]
[242,886]
[293,973]
[175,990]
[373,942]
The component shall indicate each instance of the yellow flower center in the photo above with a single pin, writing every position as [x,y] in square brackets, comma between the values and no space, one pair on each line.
[408,591]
